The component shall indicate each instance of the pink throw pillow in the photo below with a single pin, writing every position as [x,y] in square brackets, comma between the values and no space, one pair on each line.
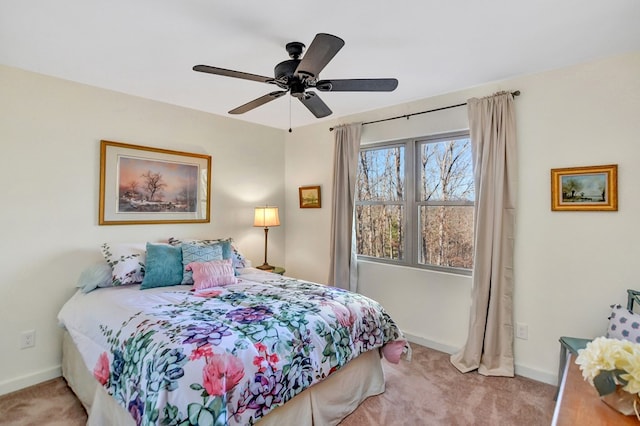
[393,350]
[215,273]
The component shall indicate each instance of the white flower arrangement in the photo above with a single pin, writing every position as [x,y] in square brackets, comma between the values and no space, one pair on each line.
[608,363]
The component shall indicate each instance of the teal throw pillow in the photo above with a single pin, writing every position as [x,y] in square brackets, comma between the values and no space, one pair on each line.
[163,266]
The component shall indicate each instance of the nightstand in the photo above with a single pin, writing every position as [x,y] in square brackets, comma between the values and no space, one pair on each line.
[278,270]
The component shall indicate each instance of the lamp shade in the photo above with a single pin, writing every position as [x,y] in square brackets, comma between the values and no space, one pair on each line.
[266,217]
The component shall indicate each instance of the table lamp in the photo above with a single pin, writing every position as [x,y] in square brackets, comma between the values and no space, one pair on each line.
[266,217]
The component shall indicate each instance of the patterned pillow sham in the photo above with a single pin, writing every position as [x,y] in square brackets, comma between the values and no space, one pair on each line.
[127,261]
[624,324]
[239,261]
[216,273]
[163,266]
[230,251]
[192,252]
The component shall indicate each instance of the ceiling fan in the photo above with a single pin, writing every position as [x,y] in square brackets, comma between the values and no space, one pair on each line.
[296,75]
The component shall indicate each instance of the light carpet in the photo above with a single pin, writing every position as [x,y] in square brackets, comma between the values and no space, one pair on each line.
[426,391]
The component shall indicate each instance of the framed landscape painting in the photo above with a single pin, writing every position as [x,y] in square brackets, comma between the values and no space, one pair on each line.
[143,185]
[592,188]
[309,197]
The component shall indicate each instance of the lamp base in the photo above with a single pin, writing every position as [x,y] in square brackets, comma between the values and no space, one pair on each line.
[266,267]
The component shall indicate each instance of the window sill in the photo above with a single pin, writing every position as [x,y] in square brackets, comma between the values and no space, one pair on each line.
[391,263]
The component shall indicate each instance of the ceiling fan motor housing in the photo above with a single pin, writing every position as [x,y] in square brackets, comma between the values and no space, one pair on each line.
[284,70]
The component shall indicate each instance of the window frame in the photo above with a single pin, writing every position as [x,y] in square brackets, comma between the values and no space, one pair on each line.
[402,203]
[411,203]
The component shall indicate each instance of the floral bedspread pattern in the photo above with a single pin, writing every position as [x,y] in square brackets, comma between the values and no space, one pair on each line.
[228,355]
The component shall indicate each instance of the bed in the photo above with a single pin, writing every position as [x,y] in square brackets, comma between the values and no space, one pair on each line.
[263,349]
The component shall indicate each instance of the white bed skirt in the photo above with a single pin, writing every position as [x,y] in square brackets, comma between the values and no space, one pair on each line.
[325,403]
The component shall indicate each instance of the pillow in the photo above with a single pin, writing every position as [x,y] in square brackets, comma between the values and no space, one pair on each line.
[95,276]
[215,273]
[198,253]
[229,250]
[224,242]
[163,266]
[126,260]
[239,261]
[624,324]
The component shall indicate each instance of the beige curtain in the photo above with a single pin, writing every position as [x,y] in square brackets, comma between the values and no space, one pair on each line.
[489,346]
[343,271]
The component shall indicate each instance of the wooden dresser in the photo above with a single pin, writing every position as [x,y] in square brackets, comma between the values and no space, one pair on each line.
[578,402]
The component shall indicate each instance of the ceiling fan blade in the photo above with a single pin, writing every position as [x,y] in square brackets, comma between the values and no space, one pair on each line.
[315,105]
[358,85]
[257,102]
[232,73]
[322,49]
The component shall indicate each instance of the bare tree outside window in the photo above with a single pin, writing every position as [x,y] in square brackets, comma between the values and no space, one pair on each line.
[420,186]
[380,213]
[446,204]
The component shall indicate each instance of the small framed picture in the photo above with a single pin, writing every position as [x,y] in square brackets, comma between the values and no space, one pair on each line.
[592,188]
[310,197]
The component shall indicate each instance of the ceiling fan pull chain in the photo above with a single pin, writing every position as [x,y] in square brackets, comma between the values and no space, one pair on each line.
[289,114]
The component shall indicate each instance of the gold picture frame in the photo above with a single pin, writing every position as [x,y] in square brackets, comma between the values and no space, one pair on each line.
[310,197]
[144,185]
[591,188]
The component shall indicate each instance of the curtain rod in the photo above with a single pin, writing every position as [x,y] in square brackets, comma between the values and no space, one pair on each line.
[514,93]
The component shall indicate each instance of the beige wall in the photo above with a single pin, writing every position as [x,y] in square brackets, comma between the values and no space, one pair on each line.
[50,132]
[570,266]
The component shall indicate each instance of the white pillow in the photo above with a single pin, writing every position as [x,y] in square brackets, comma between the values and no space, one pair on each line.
[126,260]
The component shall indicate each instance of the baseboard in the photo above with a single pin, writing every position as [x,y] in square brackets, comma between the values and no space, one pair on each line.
[22,382]
[537,375]
[430,343]
[520,370]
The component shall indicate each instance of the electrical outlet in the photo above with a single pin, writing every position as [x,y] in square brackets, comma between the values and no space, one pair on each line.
[522,331]
[28,339]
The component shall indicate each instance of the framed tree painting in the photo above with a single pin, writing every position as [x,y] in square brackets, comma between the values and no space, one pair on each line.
[592,188]
[144,185]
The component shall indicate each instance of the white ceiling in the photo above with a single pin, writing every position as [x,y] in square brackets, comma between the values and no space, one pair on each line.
[148,47]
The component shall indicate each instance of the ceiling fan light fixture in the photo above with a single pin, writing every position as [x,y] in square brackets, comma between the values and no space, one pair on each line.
[297,88]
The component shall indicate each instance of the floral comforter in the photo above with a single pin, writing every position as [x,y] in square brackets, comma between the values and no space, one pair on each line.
[226,355]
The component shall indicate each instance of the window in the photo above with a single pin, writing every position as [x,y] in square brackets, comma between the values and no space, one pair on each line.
[380,202]
[414,203]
